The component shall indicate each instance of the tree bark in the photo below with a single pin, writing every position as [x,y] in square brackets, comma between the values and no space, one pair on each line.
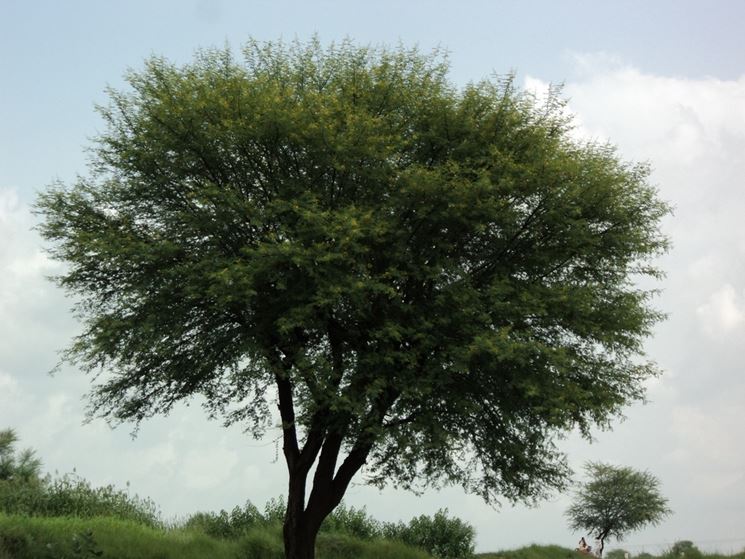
[298,533]
[302,523]
[601,537]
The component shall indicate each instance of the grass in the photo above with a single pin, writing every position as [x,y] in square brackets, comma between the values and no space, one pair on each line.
[23,537]
[557,552]
[534,552]
[63,538]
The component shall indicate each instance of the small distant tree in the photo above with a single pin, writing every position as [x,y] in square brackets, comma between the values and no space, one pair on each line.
[615,501]
[684,548]
[17,466]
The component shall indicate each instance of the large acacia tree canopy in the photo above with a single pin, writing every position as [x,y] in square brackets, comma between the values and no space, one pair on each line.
[440,277]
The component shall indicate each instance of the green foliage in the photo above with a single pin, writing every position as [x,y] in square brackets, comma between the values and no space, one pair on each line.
[74,538]
[79,538]
[261,544]
[684,548]
[227,524]
[84,545]
[21,466]
[617,554]
[71,495]
[556,552]
[23,491]
[343,546]
[615,501]
[429,273]
[274,510]
[439,535]
[353,522]
[435,282]
[534,552]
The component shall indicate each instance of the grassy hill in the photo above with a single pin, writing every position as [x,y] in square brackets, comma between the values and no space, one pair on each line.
[109,538]
[23,537]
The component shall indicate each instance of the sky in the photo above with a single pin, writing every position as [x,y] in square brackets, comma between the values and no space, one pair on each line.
[664,81]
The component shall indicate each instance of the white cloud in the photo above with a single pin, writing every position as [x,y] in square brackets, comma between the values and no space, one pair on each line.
[21,258]
[34,313]
[206,468]
[711,437]
[723,312]
[8,388]
[590,64]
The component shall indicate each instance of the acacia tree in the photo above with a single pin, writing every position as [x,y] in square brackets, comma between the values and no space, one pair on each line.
[432,282]
[615,501]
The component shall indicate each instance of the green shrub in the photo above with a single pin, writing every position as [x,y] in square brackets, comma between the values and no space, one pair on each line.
[225,524]
[684,549]
[355,522]
[339,546]
[112,538]
[274,510]
[19,466]
[13,542]
[261,544]
[536,552]
[443,537]
[71,495]
[343,546]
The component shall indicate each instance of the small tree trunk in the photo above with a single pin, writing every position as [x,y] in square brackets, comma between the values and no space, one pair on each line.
[601,539]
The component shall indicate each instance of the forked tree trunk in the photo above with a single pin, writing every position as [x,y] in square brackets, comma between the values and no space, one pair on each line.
[299,544]
[302,523]
[300,527]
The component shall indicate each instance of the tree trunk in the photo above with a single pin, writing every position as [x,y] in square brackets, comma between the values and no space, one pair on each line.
[298,532]
[601,538]
[300,543]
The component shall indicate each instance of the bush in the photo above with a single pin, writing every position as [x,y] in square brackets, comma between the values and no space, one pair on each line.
[17,466]
[106,537]
[274,511]
[71,495]
[684,548]
[259,544]
[343,546]
[225,524]
[616,554]
[355,522]
[234,524]
[443,537]
[345,528]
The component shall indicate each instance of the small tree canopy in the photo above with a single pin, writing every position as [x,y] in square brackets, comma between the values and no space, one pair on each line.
[615,501]
[432,282]
[23,466]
